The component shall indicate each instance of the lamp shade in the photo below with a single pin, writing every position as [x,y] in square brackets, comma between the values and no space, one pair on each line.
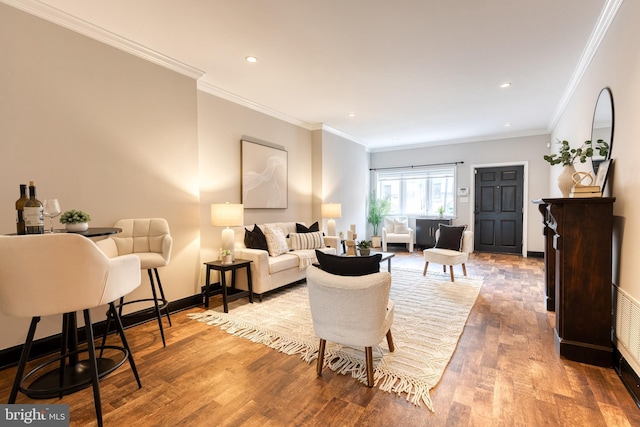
[227,215]
[331,210]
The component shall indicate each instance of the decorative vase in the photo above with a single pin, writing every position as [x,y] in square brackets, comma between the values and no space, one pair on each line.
[565,180]
[365,252]
[76,227]
[226,259]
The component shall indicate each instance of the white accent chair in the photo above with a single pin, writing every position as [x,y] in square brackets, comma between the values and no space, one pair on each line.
[396,230]
[351,310]
[448,256]
[43,275]
[150,240]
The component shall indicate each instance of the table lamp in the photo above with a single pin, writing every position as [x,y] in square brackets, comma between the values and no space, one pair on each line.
[227,215]
[331,211]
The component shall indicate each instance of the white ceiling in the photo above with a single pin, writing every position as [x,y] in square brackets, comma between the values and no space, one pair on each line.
[423,72]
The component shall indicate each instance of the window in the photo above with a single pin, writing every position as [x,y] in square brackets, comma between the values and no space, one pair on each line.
[419,192]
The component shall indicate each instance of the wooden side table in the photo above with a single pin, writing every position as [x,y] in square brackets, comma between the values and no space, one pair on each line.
[230,294]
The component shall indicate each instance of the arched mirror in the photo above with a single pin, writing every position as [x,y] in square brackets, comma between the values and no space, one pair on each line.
[602,127]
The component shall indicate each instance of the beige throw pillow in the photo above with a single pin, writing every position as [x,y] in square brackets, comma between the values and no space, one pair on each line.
[276,241]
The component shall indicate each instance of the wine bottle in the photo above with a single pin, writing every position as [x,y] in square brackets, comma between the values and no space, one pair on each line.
[20,227]
[33,212]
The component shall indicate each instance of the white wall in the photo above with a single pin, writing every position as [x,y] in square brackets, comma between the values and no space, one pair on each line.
[529,150]
[221,126]
[101,130]
[343,179]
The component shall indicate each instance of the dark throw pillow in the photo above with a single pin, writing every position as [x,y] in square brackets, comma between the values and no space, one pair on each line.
[450,237]
[255,239]
[349,266]
[304,229]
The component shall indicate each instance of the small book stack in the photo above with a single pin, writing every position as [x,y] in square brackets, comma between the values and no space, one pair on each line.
[585,191]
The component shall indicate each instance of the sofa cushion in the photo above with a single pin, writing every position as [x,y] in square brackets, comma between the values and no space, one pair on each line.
[311,240]
[399,225]
[283,262]
[255,239]
[389,224]
[349,266]
[450,237]
[301,228]
[276,240]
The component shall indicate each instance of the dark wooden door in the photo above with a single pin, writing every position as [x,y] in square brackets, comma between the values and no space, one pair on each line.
[498,209]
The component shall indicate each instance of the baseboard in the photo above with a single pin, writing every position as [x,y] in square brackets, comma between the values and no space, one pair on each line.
[534,254]
[628,377]
[44,346]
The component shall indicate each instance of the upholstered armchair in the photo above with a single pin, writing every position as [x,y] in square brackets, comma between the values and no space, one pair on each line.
[396,230]
[453,246]
[351,310]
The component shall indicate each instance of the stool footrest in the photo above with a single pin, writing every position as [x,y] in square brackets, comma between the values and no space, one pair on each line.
[76,377]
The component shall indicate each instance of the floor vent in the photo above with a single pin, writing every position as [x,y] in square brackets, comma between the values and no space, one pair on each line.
[628,323]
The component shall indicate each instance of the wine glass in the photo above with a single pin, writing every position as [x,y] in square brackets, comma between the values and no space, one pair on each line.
[51,210]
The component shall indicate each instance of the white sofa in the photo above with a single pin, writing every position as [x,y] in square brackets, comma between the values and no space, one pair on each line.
[271,272]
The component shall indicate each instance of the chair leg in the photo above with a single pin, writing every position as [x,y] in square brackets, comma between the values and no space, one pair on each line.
[125,343]
[155,302]
[63,352]
[392,347]
[93,366]
[426,264]
[464,269]
[106,330]
[451,272]
[24,357]
[166,307]
[320,362]
[369,357]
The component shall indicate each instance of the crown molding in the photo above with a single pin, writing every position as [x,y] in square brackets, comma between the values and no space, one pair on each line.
[480,138]
[83,27]
[237,99]
[605,19]
[334,131]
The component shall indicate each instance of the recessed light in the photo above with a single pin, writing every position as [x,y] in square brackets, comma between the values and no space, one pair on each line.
[505,85]
[351,114]
[508,124]
[251,59]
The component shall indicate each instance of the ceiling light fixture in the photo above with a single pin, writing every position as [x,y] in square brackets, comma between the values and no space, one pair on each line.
[505,85]
[508,124]
[351,114]
[251,59]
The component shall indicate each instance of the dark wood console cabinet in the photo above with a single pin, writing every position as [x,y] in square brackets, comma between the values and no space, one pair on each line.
[426,231]
[578,278]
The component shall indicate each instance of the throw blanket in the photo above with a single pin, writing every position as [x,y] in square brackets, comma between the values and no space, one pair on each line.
[306,257]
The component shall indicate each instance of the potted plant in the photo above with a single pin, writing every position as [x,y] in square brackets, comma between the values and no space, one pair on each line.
[365,247]
[225,256]
[567,157]
[441,211]
[378,208]
[75,220]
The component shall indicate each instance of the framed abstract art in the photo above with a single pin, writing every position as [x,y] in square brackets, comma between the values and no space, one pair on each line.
[264,175]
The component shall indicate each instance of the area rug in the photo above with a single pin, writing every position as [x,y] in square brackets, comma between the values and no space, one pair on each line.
[430,315]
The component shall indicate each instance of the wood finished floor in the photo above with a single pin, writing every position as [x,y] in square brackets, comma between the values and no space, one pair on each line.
[505,372]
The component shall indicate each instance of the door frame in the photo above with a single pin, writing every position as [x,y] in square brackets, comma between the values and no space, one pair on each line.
[525,196]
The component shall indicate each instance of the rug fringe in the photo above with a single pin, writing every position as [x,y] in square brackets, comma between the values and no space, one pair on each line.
[336,360]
